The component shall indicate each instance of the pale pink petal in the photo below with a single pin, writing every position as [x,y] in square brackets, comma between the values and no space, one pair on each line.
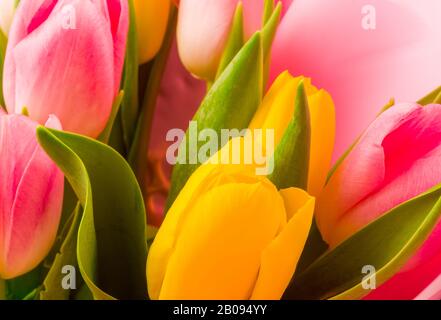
[31,196]
[362,69]
[203,28]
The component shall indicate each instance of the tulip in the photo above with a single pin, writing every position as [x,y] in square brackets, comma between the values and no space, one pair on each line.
[7,9]
[31,196]
[151,19]
[229,235]
[396,159]
[360,63]
[277,110]
[76,73]
[203,29]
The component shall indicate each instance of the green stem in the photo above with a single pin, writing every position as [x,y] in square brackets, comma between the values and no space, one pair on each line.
[2,289]
[138,155]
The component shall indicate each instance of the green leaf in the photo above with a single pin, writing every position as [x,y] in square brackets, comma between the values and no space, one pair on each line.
[105,135]
[433,97]
[268,9]
[3,43]
[21,287]
[130,103]
[111,249]
[235,40]
[52,285]
[229,104]
[268,34]
[291,157]
[399,233]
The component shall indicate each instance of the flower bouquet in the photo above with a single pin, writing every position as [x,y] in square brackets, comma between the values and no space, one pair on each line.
[220,149]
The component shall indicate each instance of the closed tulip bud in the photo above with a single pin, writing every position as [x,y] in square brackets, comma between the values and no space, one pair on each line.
[204,27]
[277,110]
[31,196]
[66,58]
[396,159]
[151,20]
[7,9]
[229,235]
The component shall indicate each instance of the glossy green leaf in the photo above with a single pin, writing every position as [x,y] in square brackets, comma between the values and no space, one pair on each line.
[235,40]
[105,135]
[291,157]
[386,244]
[229,104]
[130,103]
[111,248]
[3,43]
[52,286]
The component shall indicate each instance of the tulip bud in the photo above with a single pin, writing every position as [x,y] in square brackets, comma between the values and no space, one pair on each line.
[229,235]
[204,27]
[7,9]
[76,73]
[31,196]
[277,110]
[396,159]
[151,20]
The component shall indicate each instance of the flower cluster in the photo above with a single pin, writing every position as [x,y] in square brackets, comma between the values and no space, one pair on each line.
[220,149]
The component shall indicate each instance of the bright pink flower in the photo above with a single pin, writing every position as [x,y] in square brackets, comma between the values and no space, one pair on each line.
[65,57]
[396,159]
[203,29]
[362,69]
[31,196]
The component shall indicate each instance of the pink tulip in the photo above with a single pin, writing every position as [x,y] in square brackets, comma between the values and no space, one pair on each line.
[31,196]
[396,159]
[203,29]
[362,69]
[65,57]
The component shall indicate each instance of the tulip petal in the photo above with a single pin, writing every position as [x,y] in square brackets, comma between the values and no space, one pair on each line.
[166,268]
[395,160]
[280,258]
[397,58]
[63,86]
[322,114]
[30,227]
[151,21]
[203,28]
[224,242]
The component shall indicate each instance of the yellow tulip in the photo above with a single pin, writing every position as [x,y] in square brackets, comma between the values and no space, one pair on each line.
[229,235]
[277,110]
[151,20]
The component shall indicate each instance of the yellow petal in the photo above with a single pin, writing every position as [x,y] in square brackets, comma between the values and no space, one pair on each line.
[280,258]
[217,252]
[277,108]
[165,240]
[322,114]
[151,22]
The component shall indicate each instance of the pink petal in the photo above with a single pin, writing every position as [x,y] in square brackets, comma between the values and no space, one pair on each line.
[362,69]
[31,197]
[76,73]
[395,160]
[203,29]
